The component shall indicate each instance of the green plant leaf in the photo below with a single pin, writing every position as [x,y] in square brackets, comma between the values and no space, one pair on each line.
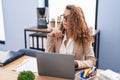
[26,75]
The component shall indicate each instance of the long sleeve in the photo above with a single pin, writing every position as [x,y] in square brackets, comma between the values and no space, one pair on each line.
[85,56]
[50,44]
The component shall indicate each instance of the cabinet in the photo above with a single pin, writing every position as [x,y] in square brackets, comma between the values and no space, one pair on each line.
[43,34]
[37,40]
[36,33]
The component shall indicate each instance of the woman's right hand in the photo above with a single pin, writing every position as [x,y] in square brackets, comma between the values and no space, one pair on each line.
[56,33]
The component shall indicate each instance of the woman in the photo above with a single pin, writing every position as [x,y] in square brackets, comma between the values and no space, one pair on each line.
[73,37]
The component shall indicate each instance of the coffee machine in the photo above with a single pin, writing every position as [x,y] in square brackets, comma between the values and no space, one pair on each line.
[42,17]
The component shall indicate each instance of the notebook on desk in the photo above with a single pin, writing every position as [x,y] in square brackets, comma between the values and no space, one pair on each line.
[56,65]
[7,57]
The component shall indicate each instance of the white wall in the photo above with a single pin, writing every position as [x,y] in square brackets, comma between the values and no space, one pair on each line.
[88,7]
[18,14]
[2,34]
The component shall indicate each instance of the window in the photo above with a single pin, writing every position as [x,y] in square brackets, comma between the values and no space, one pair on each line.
[89,8]
[2,35]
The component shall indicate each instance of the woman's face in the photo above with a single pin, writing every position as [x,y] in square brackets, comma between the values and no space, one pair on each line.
[66,23]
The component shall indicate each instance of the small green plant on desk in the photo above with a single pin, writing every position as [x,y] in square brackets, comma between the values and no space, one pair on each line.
[26,75]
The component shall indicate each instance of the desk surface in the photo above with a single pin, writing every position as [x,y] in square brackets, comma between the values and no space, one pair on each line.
[7,74]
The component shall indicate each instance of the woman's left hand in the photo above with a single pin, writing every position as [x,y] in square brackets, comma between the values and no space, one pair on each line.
[56,33]
[76,64]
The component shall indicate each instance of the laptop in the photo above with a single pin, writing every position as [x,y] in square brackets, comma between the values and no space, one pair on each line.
[56,65]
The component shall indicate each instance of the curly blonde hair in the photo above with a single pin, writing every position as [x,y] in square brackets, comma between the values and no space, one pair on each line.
[79,29]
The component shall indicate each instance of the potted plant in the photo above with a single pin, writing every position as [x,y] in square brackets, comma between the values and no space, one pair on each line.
[26,75]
